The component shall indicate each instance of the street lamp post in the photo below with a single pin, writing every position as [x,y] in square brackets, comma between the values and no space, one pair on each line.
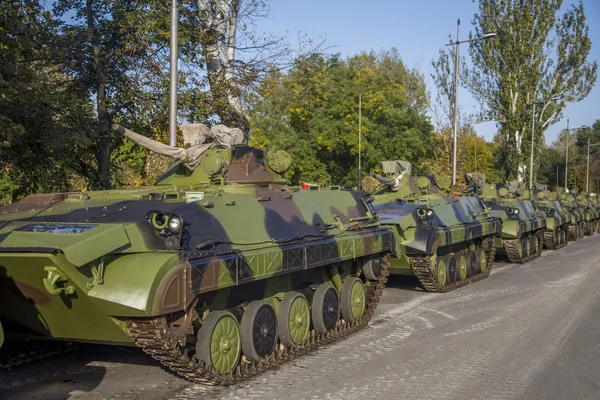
[532,137]
[567,157]
[587,174]
[173,75]
[455,108]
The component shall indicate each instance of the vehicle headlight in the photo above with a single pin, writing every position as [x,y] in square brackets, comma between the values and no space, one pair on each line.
[174,224]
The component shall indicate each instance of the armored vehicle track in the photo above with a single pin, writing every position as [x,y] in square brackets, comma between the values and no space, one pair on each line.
[158,338]
[557,239]
[428,272]
[524,249]
[576,232]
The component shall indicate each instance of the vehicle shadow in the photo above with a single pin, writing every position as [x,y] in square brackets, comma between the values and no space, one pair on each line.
[404,282]
[66,375]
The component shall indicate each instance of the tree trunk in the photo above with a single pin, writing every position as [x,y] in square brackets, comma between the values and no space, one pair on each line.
[218,26]
[103,146]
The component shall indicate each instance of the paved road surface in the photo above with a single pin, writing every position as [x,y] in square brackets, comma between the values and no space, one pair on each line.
[528,332]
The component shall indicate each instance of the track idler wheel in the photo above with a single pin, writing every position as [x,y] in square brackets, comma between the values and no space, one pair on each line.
[219,343]
[325,308]
[293,319]
[372,269]
[259,330]
[353,299]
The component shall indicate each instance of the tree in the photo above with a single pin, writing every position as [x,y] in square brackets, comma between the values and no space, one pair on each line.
[536,55]
[40,122]
[442,111]
[236,58]
[312,112]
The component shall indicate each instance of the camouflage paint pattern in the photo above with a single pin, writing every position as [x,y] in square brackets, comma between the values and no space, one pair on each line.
[429,222]
[77,265]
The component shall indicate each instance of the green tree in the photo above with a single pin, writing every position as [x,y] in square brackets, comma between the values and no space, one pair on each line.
[40,122]
[536,55]
[313,112]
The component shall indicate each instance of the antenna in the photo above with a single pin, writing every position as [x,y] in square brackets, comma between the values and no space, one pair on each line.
[173,76]
[476,137]
[359,141]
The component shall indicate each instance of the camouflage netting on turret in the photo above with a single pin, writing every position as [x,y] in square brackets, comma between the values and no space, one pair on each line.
[477,180]
[393,172]
[197,138]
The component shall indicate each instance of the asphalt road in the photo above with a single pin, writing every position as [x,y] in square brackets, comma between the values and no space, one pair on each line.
[528,332]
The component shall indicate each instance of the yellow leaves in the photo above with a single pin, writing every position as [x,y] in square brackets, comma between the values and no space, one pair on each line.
[348,116]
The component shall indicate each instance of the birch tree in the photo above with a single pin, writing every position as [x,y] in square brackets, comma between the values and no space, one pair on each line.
[536,55]
[236,57]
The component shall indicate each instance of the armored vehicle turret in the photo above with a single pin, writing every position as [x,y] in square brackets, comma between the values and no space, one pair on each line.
[219,271]
[447,242]
[523,225]
[556,234]
[577,213]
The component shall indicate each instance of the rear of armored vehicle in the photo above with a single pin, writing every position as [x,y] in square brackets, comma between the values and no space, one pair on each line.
[190,273]
[446,242]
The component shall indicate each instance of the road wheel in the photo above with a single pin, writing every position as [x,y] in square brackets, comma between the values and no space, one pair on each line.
[293,319]
[481,260]
[451,269]
[259,330]
[219,343]
[353,299]
[471,262]
[461,265]
[325,308]
[442,270]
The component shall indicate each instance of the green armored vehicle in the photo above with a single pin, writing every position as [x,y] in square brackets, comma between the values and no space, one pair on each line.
[556,234]
[447,242]
[219,272]
[577,222]
[522,225]
[591,212]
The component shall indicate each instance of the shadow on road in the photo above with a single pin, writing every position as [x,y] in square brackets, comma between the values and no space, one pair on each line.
[67,375]
[404,282]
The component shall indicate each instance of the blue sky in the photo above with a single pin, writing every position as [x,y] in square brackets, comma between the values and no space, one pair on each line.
[418,29]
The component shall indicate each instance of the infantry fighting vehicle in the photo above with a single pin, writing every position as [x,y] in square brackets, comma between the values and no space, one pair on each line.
[556,234]
[522,225]
[591,213]
[577,222]
[219,272]
[447,242]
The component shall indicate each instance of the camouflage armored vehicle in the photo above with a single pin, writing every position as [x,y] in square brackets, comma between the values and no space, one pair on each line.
[522,225]
[591,213]
[577,222]
[447,242]
[556,234]
[219,272]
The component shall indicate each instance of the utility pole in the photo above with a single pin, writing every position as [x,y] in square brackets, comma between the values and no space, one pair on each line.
[587,174]
[532,136]
[359,141]
[173,75]
[455,131]
[567,157]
